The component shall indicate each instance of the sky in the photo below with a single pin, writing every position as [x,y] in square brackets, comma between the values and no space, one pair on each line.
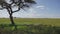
[43,9]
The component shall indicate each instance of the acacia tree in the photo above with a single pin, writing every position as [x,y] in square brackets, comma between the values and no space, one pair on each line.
[13,3]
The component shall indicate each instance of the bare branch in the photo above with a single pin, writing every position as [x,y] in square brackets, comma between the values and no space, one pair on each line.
[8,11]
[2,8]
[16,10]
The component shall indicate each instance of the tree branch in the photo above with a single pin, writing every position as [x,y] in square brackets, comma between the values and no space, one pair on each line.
[8,11]
[16,10]
[2,8]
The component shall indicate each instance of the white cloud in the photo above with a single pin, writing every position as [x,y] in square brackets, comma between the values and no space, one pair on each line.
[30,13]
[4,14]
[40,7]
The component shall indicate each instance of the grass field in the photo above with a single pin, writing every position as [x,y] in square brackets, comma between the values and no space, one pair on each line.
[47,21]
[36,26]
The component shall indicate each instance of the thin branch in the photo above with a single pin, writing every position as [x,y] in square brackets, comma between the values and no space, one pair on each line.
[16,10]
[8,11]
[2,8]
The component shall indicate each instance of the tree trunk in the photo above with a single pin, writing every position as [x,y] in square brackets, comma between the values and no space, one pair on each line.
[11,19]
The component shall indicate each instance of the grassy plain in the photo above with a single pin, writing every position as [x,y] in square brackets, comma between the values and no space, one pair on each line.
[47,21]
[36,26]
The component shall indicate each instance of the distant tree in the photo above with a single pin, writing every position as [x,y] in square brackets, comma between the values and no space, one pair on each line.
[14,3]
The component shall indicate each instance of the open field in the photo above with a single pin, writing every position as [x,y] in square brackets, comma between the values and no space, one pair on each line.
[36,26]
[47,21]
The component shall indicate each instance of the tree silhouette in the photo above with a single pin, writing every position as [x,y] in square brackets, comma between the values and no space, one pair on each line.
[14,3]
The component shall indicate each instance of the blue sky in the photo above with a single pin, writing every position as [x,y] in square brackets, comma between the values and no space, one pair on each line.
[43,9]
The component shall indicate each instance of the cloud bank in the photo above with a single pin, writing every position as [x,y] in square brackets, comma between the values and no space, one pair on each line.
[33,12]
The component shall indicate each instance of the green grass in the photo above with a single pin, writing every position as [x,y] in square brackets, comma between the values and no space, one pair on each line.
[29,29]
[47,21]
